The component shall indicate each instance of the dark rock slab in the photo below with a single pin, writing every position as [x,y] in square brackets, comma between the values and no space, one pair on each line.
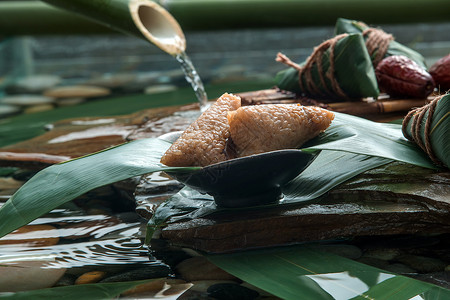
[391,200]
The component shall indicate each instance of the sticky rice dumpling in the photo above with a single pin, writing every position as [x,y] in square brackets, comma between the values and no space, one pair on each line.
[262,128]
[203,142]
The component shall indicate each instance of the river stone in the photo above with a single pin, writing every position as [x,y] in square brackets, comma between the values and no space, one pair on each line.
[382,253]
[10,183]
[422,264]
[7,110]
[200,268]
[90,277]
[231,291]
[63,102]
[36,83]
[28,274]
[38,108]
[400,269]
[27,100]
[75,91]
[66,280]
[112,81]
[147,272]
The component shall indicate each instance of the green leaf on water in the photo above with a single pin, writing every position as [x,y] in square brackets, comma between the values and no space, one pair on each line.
[291,272]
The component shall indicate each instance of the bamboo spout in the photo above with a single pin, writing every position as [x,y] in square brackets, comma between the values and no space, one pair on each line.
[142,18]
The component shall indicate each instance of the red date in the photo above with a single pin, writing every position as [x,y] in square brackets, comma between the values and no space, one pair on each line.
[440,72]
[398,75]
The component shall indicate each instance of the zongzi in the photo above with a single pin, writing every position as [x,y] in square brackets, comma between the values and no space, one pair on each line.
[262,128]
[203,142]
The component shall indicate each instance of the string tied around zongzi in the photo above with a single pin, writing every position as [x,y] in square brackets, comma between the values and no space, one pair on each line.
[377,43]
[316,58]
[414,132]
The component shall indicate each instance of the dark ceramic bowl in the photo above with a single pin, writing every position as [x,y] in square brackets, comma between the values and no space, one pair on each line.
[246,181]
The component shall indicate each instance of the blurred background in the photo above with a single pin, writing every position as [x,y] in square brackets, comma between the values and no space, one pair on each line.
[42,47]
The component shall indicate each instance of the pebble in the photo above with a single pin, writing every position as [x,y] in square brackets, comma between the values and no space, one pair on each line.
[10,183]
[199,268]
[27,100]
[231,291]
[29,274]
[148,272]
[77,91]
[90,277]
[155,89]
[38,108]
[32,235]
[383,253]
[112,80]
[400,269]
[63,102]
[36,83]
[8,110]
[422,264]
[66,280]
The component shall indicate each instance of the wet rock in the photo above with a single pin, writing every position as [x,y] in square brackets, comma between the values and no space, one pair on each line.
[36,83]
[400,269]
[382,253]
[422,264]
[30,273]
[66,280]
[148,272]
[231,291]
[8,110]
[172,257]
[10,183]
[348,251]
[199,268]
[32,235]
[76,91]
[38,108]
[27,100]
[90,277]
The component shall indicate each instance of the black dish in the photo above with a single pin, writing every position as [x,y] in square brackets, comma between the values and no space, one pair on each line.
[247,181]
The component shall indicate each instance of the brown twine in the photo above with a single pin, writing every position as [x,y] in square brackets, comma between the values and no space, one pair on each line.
[417,116]
[316,58]
[377,40]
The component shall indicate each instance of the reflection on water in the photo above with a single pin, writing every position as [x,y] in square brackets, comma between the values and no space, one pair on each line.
[342,285]
[96,240]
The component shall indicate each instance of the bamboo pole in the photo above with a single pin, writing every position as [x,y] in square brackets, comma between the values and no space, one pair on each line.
[142,18]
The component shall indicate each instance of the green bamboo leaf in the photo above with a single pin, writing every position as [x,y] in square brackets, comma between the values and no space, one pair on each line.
[357,135]
[63,182]
[395,48]
[289,272]
[76,292]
